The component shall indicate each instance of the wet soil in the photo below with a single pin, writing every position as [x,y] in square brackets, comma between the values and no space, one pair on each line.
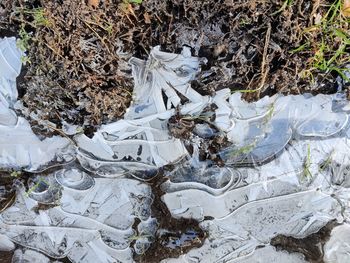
[311,246]
[200,131]
[6,257]
[174,236]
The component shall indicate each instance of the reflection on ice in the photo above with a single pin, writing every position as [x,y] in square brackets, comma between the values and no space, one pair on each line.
[74,179]
[258,138]
[337,248]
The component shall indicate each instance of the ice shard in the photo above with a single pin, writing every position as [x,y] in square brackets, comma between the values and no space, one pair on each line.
[337,249]
[141,140]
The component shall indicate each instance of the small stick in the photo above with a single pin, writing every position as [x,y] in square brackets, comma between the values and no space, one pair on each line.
[264,66]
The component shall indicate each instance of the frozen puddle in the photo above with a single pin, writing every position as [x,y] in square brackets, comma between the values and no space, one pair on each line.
[287,172]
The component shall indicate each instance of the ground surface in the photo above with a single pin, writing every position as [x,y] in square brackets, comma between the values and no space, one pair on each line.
[76,69]
[77,52]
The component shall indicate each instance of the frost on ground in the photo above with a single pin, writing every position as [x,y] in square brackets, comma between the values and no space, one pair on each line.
[286,172]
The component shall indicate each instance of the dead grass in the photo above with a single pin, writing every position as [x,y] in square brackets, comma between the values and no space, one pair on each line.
[77,58]
[78,51]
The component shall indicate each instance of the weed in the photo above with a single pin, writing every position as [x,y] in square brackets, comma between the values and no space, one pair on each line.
[36,186]
[286,3]
[103,24]
[127,8]
[244,149]
[16,174]
[206,117]
[135,1]
[300,48]
[245,21]
[270,112]
[307,164]
[331,45]
[39,17]
[23,41]
[140,236]
[23,44]
[325,164]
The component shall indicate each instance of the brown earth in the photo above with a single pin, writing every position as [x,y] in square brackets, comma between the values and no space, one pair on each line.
[169,244]
[311,246]
[6,257]
[78,52]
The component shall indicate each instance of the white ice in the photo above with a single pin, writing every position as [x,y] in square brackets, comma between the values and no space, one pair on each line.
[287,172]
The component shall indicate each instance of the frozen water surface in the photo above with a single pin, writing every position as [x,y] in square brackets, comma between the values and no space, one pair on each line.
[286,173]
[337,249]
[19,147]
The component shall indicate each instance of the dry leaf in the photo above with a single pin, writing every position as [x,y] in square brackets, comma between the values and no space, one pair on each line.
[346,8]
[93,3]
[147,18]
[318,19]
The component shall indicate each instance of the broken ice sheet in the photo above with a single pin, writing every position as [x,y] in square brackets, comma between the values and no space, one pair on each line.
[141,140]
[286,174]
[163,72]
[240,233]
[267,254]
[129,146]
[293,189]
[263,129]
[337,249]
[295,193]
[28,256]
[20,148]
[93,217]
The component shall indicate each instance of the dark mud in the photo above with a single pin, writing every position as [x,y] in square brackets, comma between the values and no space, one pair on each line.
[311,246]
[7,33]
[174,236]
[6,257]
[209,139]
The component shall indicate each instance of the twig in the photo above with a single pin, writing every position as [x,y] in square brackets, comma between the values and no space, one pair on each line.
[53,50]
[8,203]
[264,65]
[98,36]
[62,133]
